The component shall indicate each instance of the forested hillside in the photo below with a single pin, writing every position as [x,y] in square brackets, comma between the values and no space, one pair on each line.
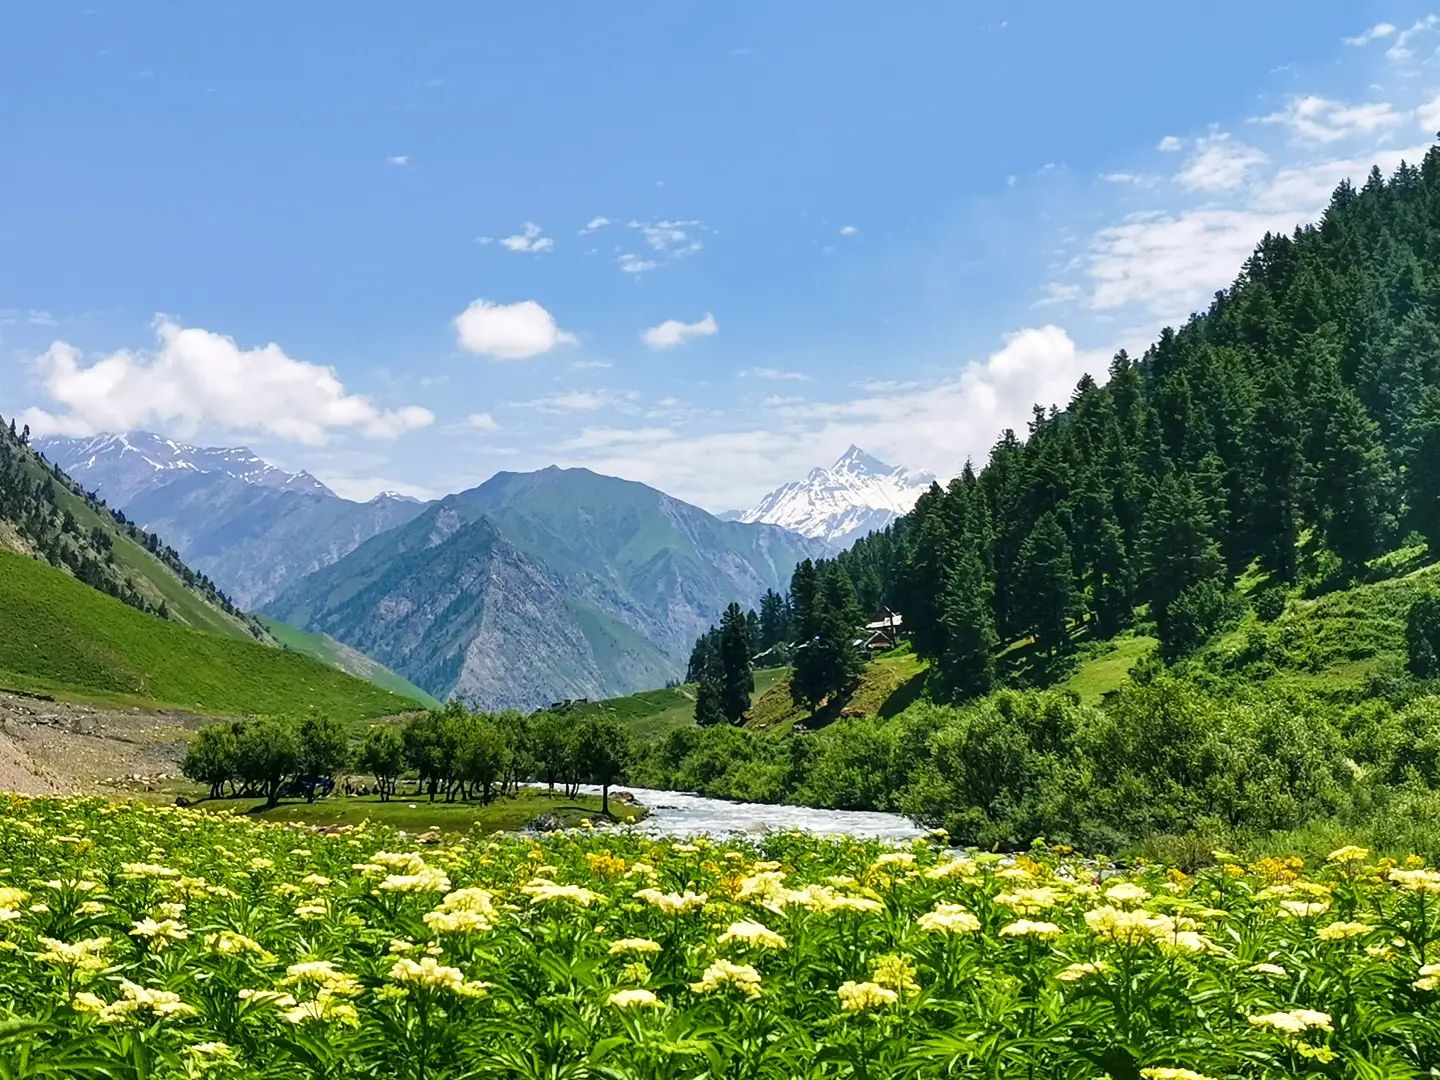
[45,514]
[1242,521]
[1295,424]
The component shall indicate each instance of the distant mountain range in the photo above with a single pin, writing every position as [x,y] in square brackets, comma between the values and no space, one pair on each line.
[855,496]
[530,588]
[250,526]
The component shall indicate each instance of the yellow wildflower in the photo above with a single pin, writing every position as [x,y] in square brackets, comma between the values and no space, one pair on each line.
[863,996]
[722,974]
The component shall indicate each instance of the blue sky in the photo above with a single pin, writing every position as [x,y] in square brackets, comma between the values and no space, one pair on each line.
[702,246]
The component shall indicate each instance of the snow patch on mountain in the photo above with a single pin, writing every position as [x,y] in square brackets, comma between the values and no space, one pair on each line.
[838,505]
[121,466]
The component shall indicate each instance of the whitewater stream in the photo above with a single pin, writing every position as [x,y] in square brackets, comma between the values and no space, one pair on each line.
[679,813]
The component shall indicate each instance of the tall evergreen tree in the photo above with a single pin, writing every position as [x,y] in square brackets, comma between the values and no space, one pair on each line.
[1351,488]
[1047,583]
[1279,464]
[1114,583]
[1422,473]
[966,666]
[1180,549]
[737,680]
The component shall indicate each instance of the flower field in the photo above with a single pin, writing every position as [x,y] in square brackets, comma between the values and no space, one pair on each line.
[155,943]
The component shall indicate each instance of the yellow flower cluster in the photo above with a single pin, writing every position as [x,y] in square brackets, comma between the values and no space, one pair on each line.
[722,975]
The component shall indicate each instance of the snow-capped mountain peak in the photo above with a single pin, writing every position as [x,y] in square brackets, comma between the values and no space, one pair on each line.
[856,495]
[119,466]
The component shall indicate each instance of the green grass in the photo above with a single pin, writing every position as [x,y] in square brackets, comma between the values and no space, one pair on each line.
[1107,671]
[417,814]
[150,577]
[651,713]
[888,684]
[327,650]
[64,638]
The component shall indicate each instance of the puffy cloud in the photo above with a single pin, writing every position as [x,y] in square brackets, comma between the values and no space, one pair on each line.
[198,378]
[848,230]
[934,426]
[1315,119]
[1169,144]
[398,159]
[1375,33]
[529,240]
[1220,163]
[1429,114]
[1172,261]
[634,264]
[595,223]
[509,331]
[482,421]
[673,332]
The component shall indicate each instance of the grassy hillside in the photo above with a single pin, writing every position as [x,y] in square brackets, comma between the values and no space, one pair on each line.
[327,650]
[46,514]
[63,637]
[651,714]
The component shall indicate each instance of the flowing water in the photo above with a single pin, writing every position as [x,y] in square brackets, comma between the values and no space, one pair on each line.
[679,813]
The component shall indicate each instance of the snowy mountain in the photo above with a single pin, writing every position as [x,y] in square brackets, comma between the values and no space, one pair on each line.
[120,467]
[251,526]
[838,505]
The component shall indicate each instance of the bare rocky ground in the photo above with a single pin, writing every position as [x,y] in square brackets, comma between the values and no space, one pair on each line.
[49,747]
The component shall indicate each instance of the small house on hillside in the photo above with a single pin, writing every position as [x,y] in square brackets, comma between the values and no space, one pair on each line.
[881,634]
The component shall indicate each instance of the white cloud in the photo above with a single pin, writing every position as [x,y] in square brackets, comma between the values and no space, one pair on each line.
[673,332]
[529,240]
[668,240]
[1169,144]
[509,331]
[1429,114]
[590,365]
[595,223]
[1057,292]
[609,438]
[398,159]
[1143,180]
[935,426]
[1375,33]
[196,378]
[1403,51]
[1220,163]
[848,230]
[775,374]
[34,317]
[1315,119]
[482,421]
[1173,261]
[571,401]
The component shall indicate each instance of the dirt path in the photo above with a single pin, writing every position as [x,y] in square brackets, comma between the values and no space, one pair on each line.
[49,746]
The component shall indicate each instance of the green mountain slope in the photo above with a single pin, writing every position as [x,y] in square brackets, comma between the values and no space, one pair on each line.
[329,651]
[542,586]
[63,637]
[43,513]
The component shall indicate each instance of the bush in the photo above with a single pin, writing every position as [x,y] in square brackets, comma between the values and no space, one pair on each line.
[1422,636]
[1269,604]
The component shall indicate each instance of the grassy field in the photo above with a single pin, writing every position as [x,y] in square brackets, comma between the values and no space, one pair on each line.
[327,650]
[417,814]
[888,684]
[1107,671]
[64,638]
[651,713]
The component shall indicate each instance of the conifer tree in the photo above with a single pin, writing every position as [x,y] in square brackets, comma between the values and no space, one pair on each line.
[737,680]
[1351,486]
[966,666]
[1279,462]
[1422,474]
[1114,584]
[1047,583]
[1180,549]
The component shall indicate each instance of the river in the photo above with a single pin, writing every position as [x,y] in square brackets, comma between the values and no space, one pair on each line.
[679,813]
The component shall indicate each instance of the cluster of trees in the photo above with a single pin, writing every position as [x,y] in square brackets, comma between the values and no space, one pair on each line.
[1295,424]
[450,753]
[814,627]
[262,757]
[30,503]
